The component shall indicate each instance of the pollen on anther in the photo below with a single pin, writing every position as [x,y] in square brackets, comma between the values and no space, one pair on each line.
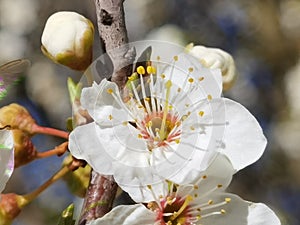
[110,91]
[223,211]
[210,202]
[196,195]
[125,123]
[201,113]
[140,136]
[201,78]
[196,187]
[191,80]
[141,70]
[163,76]
[220,185]
[110,117]
[227,200]
[191,69]
[151,70]
[158,58]
[204,177]
[175,58]
[177,141]
[209,97]
[179,90]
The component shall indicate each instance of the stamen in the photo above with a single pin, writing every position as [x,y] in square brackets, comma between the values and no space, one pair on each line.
[162,132]
[187,200]
[141,70]
[155,197]
[144,95]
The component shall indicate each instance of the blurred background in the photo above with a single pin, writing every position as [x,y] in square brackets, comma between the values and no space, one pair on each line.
[262,36]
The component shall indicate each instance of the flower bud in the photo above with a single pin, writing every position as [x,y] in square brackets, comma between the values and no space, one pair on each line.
[78,180]
[216,58]
[10,207]
[24,149]
[16,117]
[68,39]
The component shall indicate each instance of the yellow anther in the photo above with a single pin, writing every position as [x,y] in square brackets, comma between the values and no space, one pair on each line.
[141,70]
[169,84]
[132,77]
[223,211]
[179,90]
[191,80]
[191,69]
[227,200]
[192,128]
[158,58]
[210,202]
[163,76]
[147,99]
[151,70]
[204,177]
[209,97]
[175,58]
[196,195]
[110,91]
[125,123]
[149,124]
[196,187]
[219,186]
[201,78]
[201,113]
[199,210]
[140,136]
[149,186]
[110,117]
[177,141]
[198,217]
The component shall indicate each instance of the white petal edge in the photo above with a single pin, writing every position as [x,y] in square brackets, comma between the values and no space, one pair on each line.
[244,141]
[6,157]
[127,215]
[260,214]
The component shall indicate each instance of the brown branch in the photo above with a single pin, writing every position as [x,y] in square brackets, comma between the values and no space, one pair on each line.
[113,36]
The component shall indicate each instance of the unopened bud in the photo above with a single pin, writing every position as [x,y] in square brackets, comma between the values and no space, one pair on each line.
[25,151]
[68,39]
[216,58]
[77,180]
[16,116]
[10,207]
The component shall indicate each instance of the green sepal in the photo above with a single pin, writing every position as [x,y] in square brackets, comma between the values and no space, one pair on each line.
[74,90]
[66,217]
[69,124]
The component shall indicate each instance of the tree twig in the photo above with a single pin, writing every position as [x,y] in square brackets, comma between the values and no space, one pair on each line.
[113,36]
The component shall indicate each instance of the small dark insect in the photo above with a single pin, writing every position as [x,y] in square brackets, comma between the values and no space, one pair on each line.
[10,73]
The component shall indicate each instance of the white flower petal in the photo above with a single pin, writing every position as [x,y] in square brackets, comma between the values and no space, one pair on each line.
[236,211]
[102,106]
[127,215]
[6,157]
[260,214]
[244,141]
[207,81]
[84,143]
[219,172]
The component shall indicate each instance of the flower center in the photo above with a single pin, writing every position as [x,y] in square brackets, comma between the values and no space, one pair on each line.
[174,211]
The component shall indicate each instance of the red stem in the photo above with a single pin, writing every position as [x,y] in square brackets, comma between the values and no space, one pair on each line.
[50,131]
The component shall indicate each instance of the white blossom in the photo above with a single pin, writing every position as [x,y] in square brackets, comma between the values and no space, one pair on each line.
[203,203]
[168,123]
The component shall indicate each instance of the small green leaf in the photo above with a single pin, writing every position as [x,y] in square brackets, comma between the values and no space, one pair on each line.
[67,216]
[69,124]
[74,90]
